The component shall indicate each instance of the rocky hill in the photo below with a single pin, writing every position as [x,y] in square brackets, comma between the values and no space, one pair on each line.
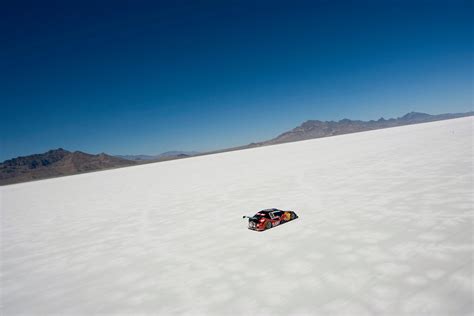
[57,162]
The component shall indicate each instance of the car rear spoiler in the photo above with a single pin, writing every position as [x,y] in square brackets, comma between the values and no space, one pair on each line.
[249,217]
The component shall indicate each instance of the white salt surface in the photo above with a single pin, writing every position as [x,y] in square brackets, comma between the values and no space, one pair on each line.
[385,227]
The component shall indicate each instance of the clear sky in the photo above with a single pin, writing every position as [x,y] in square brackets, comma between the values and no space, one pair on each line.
[138,77]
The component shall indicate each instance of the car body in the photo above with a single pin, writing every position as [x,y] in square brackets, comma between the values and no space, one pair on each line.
[268,218]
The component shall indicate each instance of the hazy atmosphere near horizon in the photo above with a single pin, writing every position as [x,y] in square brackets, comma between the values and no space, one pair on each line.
[145,77]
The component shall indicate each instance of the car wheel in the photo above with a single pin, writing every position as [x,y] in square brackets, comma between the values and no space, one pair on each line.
[268,225]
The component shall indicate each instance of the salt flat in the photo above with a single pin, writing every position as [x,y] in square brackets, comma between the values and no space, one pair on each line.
[385,227]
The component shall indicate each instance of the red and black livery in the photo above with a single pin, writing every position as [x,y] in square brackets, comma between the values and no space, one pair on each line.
[266,219]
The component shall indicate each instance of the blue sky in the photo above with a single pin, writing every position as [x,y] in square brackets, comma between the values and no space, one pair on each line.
[138,77]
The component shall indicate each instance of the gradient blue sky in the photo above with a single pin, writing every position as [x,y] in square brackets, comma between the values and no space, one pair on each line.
[138,77]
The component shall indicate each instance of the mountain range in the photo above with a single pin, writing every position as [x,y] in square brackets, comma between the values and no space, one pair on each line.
[164,156]
[60,162]
[316,129]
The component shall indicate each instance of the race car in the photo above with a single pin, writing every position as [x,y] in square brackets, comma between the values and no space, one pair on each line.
[266,219]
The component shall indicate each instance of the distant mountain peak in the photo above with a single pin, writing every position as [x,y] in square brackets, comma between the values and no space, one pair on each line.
[415,115]
[345,120]
[58,150]
[163,156]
